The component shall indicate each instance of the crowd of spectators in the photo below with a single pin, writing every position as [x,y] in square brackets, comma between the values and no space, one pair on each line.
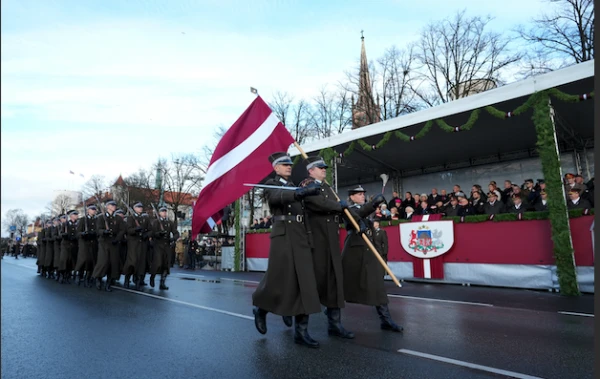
[513,198]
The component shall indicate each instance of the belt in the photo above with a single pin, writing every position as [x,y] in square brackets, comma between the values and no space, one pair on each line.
[290,218]
[334,218]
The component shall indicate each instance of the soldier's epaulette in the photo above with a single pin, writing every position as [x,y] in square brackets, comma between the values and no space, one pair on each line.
[306,182]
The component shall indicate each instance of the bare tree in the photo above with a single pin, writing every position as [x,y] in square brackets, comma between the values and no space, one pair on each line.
[294,115]
[95,186]
[209,148]
[181,180]
[18,219]
[332,112]
[139,186]
[460,57]
[397,79]
[60,205]
[562,37]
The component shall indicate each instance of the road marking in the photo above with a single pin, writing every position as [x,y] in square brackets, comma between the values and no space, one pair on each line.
[441,300]
[214,278]
[511,374]
[576,314]
[186,303]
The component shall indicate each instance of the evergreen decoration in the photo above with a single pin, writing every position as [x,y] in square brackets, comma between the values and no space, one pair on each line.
[557,207]
[237,252]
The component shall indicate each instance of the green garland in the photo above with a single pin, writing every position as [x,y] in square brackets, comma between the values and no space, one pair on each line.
[473,118]
[546,146]
[238,235]
[475,219]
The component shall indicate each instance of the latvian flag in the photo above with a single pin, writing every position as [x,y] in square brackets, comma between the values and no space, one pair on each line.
[242,156]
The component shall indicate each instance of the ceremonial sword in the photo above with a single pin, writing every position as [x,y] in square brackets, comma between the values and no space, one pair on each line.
[274,187]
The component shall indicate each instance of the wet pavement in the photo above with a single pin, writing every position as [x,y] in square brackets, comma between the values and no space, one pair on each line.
[202,327]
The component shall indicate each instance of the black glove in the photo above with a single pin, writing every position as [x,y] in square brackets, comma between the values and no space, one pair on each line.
[64,235]
[312,189]
[139,229]
[85,234]
[363,226]
[343,204]
[163,233]
[106,232]
[378,200]
[171,240]
[114,242]
[146,235]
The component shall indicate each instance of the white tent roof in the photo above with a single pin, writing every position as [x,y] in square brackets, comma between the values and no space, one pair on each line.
[490,137]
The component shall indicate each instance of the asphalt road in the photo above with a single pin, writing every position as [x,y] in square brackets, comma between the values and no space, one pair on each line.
[202,327]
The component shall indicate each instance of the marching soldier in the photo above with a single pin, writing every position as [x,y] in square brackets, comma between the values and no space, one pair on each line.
[41,240]
[109,229]
[58,237]
[138,232]
[162,228]
[67,246]
[323,221]
[366,285]
[122,243]
[288,288]
[50,238]
[88,246]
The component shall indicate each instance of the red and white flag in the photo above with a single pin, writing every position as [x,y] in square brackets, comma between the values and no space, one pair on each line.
[242,156]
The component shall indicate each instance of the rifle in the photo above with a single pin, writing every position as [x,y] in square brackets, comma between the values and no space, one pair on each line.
[85,215]
[132,213]
[103,211]
[162,228]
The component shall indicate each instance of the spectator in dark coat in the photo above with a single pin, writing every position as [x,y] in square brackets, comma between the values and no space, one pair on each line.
[452,209]
[542,204]
[493,206]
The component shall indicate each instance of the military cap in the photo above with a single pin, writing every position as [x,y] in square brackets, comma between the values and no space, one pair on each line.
[73,212]
[162,209]
[64,216]
[528,180]
[575,190]
[111,202]
[138,205]
[119,212]
[569,176]
[542,192]
[315,162]
[145,214]
[92,207]
[357,189]
[280,158]
[541,181]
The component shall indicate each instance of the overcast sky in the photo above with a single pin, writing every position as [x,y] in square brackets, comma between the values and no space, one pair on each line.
[106,87]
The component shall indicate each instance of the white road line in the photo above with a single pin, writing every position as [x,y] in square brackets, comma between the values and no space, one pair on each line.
[213,278]
[511,374]
[576,314]
[441,300]
[186,303]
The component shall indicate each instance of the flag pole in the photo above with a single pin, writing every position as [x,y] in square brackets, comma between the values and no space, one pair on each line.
[357,228]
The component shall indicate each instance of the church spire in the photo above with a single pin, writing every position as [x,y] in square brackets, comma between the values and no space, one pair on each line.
[365,112]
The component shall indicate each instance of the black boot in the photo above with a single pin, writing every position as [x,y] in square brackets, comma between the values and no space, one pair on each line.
[127,279]
[288,321]
[260,320]
[61,277]
[108,285]
[386,319]
[138,283]
[301,335]
[335,327]
[98,284]
[142,278]
[163,278]
[152,280]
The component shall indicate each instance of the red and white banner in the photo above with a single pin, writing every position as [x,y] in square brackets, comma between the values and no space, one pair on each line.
[426,239]
[242,156]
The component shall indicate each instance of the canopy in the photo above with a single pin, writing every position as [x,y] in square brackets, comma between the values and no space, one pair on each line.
[490,140]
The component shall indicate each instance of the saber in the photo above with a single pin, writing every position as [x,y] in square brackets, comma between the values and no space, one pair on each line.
[274,187]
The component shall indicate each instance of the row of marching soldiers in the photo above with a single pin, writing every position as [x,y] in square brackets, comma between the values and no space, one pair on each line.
[87,249]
